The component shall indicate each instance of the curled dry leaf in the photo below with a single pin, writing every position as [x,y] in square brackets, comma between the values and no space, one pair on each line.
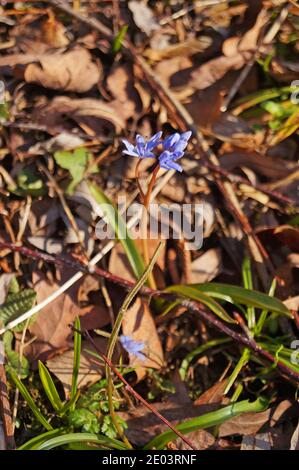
[173,71]
[292,303]
[85,111]
[71,71]
[284,234]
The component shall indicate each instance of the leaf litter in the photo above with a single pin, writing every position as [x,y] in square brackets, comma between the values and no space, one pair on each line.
[72,92]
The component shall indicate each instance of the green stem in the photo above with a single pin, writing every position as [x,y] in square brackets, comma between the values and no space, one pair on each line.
[241,363]
[114,336]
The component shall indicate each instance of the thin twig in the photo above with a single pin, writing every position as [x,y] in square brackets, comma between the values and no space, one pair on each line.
[5,410]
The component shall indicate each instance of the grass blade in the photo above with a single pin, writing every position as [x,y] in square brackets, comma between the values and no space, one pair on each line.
[236,294]
[65,439]
[33,443]
[77,355]
[119,227]
[190,292]
[26,395]
[49,387]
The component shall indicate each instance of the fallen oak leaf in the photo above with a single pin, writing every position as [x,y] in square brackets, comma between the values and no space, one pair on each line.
[70,71]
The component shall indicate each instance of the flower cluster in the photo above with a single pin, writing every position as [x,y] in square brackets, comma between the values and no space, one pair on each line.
[173,148]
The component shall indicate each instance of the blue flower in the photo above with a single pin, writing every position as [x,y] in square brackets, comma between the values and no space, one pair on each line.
[143,148]
[174,147]
[132,347]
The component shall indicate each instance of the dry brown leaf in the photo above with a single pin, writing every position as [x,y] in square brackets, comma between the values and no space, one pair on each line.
[138,323]
[284,234]
[181,49]
[120,83]
[173,72]
[52,325]
[5,280]
[119,265]
[71,71]
[211,71]
[143,425]
[90,370]
[249,41]
[292,303]
[207,266]
[84,111]
[54,33]
[200,439]
[11,60]
[269,167]
[261,441]
[143,16]
[295,439]
[245,424]
[213,395]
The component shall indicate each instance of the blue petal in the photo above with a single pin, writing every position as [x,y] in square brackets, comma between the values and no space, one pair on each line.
[166,155]
[186,135]
[180,146]
[176,167]
[154,141]
[171,141]
[140,144]
[131,153]
[140,356]
[128,144]
[171,165]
